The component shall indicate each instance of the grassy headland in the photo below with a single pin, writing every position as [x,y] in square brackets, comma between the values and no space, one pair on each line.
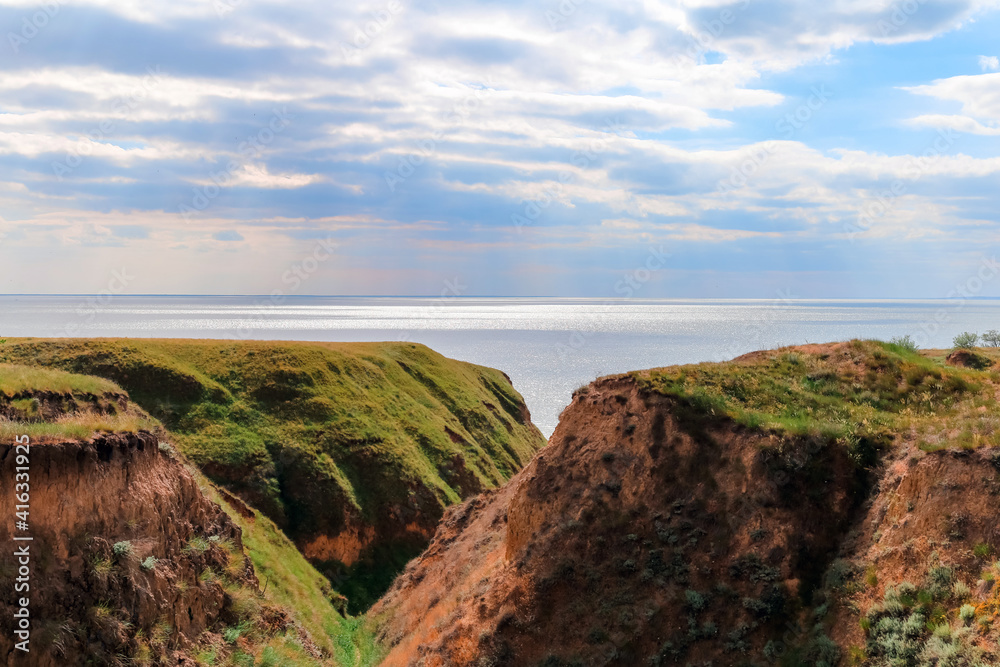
[336,442]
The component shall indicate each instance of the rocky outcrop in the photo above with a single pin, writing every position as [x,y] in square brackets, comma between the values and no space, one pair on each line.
[122,539]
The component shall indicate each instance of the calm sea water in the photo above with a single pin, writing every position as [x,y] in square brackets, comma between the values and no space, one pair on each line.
[547,346]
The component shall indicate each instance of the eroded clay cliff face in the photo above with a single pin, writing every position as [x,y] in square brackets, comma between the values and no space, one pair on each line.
[933,515]
[650,532]
[91,600]
[644,524]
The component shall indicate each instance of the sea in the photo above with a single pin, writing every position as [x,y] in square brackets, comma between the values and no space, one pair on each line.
[548,346]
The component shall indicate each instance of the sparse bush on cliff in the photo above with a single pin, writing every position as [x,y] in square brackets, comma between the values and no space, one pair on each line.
[122,549]
[904,342]
[965,340]
[694,600]
[911,627]
[198,545]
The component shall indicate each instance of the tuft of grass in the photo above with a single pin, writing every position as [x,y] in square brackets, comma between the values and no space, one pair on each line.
[197,545]
[101,567]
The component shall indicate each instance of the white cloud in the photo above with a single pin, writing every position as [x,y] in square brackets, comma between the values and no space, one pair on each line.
[258,176]
[989,63]
[979,96]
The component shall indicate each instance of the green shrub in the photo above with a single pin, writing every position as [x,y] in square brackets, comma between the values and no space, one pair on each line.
[967,613]
[911,629]
[149,563]
[234,632]
[965,340]
[981,550]
[122,549]
[905,342]
[241,659]
[991,338]
[694,600]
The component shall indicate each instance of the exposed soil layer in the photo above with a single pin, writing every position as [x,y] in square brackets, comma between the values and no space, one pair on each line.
[655,531]
[99,510]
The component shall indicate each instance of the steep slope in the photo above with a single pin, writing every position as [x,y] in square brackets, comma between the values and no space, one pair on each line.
[136,558]
[762,511]
[354,450]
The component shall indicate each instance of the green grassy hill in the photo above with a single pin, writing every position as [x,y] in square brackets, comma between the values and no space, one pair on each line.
[354,450]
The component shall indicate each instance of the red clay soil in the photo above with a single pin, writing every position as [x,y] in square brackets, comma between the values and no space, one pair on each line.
[649,533]
[642,523]
[87,496]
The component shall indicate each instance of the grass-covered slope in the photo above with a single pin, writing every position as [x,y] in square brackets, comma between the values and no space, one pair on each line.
[353,449]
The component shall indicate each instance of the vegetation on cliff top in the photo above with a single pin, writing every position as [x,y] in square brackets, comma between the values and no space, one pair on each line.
[843,391]
[322,437]
[47,404]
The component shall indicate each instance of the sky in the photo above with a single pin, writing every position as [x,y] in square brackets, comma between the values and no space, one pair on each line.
[690,149]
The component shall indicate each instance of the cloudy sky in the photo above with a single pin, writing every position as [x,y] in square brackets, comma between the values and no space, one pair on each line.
[751,149]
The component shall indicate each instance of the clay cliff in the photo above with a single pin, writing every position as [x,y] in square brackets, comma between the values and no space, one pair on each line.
[122,536]
[118,552]
[822,505]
